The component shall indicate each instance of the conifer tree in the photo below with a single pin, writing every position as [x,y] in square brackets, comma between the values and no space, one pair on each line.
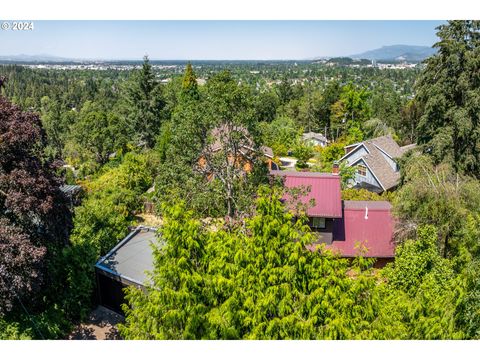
[449,95]
[144,106]
[189,84]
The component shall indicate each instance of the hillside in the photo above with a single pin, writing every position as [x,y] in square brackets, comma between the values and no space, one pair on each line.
[397,52]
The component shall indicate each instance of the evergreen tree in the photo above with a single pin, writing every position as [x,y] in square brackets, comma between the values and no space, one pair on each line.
[284,91]
[350,112]
[189,84]
[260,281]
[143,106]
[449,95]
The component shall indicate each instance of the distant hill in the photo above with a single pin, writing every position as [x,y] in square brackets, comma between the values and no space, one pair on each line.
[348,61]
[408,53]
[34,58]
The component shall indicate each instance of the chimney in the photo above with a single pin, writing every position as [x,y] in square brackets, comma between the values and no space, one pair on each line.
[335,168]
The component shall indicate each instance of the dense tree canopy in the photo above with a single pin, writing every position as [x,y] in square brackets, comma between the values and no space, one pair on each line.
[261,282]
[449,94]
[96,135]
[33,211]
[437,195]
[231,284]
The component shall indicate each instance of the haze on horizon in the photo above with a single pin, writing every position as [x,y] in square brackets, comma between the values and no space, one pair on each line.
[213,40]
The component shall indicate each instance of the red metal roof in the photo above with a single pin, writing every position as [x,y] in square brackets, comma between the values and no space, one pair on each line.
[373,228]
[325,190]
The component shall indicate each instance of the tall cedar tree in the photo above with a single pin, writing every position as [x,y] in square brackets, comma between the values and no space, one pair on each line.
[449,93]
[144,106]
[34,215]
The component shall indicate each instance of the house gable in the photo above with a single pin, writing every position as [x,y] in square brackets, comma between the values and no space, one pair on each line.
[358,152]
[370,177]
[379,155]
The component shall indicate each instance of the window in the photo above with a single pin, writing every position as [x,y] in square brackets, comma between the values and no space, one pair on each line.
[317,223]
[362,170]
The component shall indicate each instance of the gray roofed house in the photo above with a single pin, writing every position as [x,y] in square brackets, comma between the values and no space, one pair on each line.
[126,264]
[314,139]
[376,161]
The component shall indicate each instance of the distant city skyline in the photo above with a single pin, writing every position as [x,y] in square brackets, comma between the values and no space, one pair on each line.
[213,40]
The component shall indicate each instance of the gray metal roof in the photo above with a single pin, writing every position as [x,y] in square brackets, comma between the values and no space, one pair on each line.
[132,257]
[372,205]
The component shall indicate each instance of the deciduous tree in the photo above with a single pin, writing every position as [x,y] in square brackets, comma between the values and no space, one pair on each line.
[34,215]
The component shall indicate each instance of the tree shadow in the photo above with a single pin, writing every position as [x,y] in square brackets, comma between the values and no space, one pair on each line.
[83,333]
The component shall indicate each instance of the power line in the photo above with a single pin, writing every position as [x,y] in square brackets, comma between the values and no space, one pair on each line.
[26,311]
[28,314]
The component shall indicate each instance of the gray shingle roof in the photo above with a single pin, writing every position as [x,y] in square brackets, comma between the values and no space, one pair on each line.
[382,170]
[387,144]
[384,173]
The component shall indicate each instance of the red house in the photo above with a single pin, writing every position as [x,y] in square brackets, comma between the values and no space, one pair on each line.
[344,226]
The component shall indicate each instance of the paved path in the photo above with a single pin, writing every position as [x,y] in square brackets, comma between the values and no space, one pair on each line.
[100,325]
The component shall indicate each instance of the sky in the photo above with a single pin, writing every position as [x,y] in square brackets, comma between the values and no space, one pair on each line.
[212,40]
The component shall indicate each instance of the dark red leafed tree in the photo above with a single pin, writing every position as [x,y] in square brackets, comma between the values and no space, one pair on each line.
[20,264]
[34,215]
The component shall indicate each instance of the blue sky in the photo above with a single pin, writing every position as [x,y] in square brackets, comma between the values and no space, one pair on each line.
[222,40]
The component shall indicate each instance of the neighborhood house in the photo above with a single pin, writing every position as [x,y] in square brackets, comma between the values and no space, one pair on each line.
[238,139]
[314,139]
[376,163]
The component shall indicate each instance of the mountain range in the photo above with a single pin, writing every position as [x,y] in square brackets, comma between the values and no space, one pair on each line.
[33,58]
[408,53]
